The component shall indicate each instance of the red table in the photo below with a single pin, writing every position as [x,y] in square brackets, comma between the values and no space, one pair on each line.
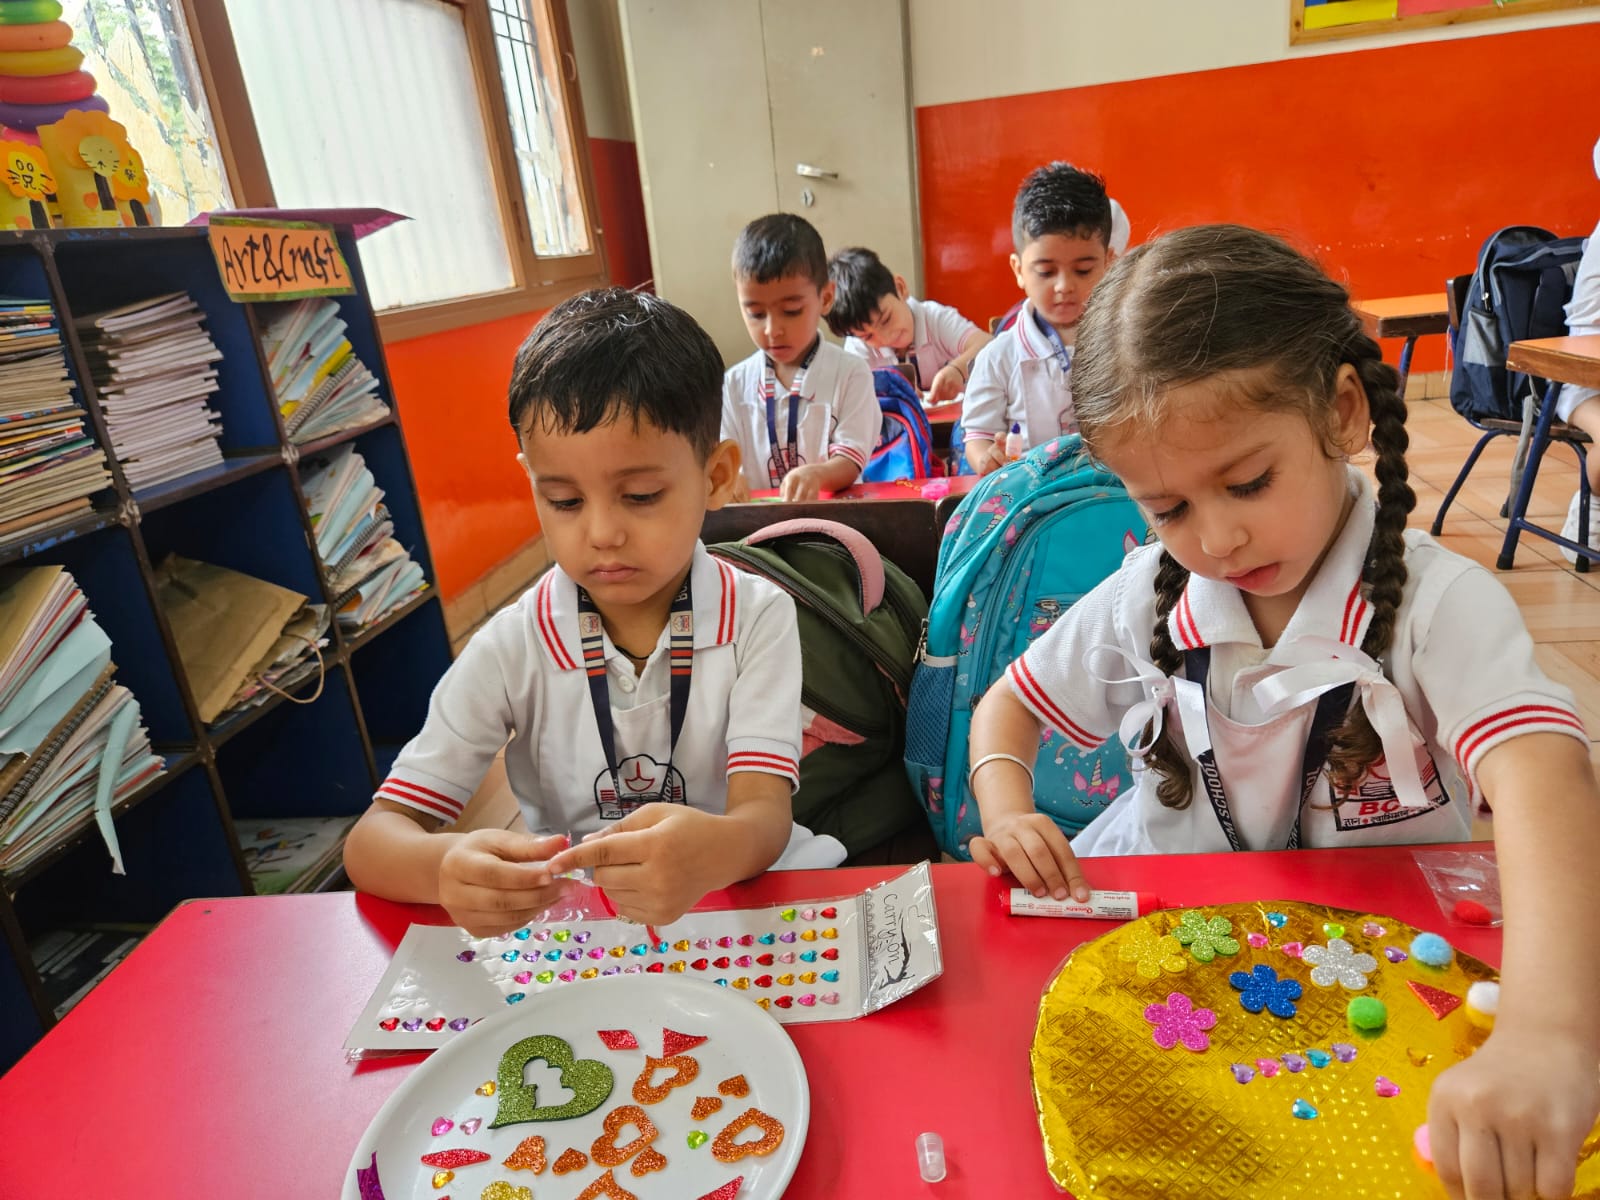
[209,1063]
[899,489]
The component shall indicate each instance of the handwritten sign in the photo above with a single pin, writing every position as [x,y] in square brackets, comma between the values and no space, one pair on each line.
[278,260]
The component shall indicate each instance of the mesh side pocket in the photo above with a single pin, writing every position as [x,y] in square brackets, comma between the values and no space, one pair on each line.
[927,740]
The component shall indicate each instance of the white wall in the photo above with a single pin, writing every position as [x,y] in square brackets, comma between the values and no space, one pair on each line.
[602,73]
[963,50]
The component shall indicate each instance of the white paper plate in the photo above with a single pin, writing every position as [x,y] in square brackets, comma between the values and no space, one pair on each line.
[741,1040]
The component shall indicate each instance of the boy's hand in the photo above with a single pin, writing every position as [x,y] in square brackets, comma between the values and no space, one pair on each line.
[1032,847]
[656,863]
[985,457]
[803,483]
[741,488]
[494,880]
[948,384]
[1509,1120]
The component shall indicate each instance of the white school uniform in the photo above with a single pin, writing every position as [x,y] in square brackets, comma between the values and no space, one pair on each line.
[1583,317]
[937,334]
[839,414]
[1461,664]
[1017,379]
[522,677]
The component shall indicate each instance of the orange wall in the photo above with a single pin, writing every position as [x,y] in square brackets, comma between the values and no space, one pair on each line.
[1392,165]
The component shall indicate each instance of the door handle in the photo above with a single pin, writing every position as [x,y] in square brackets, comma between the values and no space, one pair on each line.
[810,172]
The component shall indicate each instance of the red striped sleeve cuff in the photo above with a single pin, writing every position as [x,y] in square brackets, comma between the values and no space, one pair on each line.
[769,764]
[1047,710]
[1534,717]
[840,450]
[423,799]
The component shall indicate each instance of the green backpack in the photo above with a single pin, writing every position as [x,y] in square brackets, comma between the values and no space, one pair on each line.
[860,618]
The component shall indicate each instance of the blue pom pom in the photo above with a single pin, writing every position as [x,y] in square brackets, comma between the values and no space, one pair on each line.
[1432,949]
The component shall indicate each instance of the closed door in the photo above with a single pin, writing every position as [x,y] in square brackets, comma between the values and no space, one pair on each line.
[748,108]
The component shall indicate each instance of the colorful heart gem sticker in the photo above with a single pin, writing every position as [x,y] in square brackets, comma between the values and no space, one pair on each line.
[412,1025]
[829,913]
[787,937]
[1438,1001]
[809,914]
[830,953]
[511,955]
[523,934]
[1243,1072]
[1344,1052]
[808,956]
[808,935]
[830,977]
[829,997]
[442,1126]
[1373,930]
[1303,1110]
[611,971]
[1294,1063]
[459,1024]
[808,977]
[721,982]
[528,1156]
[742,982]
[736,1086]
[1333,929]
[454,1158]
[500,1189]
[574,955]
[389,1024]
[589,1080]
[747,939]
[766,939]
[442,1179]
[571,1160]
[830,933]
[661,947]
[744,960]
[545,977]
[617,951]
[435,1024]
[766,960]
[471,1125]
[581,936]
[722,964]
[680,947]
[486,1089]
[808,1000]
[541,935]
[685,1071]
[704,1106]
[562,935]
[656,968]
[789,914]
[726,1192]
[639,949]
[1277,920]
[517,997]
[786,957]
[764,981]
[1292,949]
[523,976]
[785,980]
[784,1001]
[1267,1066]
[552,956]
[764,1002]
[589,973]
[469,955]
[1385,1087]
[1318,1058]
[1394,954]
[724,942]
[700,964]
[1418,1058]
[597,952]
[678,966]
[567,976]
[702,943]
[1257,940]
[697,1138]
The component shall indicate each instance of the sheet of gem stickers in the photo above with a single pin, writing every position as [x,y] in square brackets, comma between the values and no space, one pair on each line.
[820,960]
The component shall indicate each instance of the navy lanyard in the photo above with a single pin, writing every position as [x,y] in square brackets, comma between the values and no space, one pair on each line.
[784,457]
[1060,349]
[1331,708]
[591,636]
[910,356]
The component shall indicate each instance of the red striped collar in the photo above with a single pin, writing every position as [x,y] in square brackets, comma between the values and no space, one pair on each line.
[1211,612]
[716,609]
[1028,335]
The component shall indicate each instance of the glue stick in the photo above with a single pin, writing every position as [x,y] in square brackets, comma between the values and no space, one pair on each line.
[1101,906]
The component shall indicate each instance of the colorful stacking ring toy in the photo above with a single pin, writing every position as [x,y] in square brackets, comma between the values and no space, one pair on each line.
[8,134]
[46,89]
[60,61]
[50,35]
[28,12]
[31,116]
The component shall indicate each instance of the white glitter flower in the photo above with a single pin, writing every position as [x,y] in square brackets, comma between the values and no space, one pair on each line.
[1337,962]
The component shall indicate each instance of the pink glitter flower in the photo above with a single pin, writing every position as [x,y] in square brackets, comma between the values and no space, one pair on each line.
[1178,1020]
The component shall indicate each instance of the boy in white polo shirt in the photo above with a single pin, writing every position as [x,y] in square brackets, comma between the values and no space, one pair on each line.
[803,412]
[641,690]
[874,311]
[1061,227]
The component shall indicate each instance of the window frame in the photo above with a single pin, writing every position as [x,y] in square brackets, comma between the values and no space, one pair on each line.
[538,282]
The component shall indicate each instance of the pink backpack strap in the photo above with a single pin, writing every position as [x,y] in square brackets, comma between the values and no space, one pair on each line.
[869,563]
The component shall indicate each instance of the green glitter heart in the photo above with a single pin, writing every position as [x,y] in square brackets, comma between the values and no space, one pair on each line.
[1333,929]
[590,1081]
[697,1138]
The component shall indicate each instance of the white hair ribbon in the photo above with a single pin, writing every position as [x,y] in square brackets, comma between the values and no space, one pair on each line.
[1159,688]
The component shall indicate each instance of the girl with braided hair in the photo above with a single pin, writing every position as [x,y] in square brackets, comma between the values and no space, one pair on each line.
[1290,666]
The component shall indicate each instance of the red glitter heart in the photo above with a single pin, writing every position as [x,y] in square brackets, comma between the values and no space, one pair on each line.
[722,964]
[764,981]
[766,960]
[830,913]
[724,942]
[656,968]
[699,964]
[676,1043]
[784,1001]
[747,940]
[436,1024]
[1440,1002]
[619,1039]
[450,1159]
[389,1024]
[727,1191]
[830,954]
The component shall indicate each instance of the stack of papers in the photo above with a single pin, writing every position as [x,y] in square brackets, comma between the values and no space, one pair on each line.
[369,573]
[49,462]
[320,384]
[291,660]
[154,364]
[291,854]
[72,743]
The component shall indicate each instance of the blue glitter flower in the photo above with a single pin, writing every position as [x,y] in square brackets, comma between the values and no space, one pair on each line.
[1261,988]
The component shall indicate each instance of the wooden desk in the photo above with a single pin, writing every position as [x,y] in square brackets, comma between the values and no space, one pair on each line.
[209,1063]
[1408,317]
[1562,360]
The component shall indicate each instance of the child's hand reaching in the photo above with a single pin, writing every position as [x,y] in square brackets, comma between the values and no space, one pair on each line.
[985,456]
[1032,847]
[803,483]
[1508,1122]
[494,880]
[656,863]
[947,385]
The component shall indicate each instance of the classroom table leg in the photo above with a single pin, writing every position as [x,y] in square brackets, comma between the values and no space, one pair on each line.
[1405,362]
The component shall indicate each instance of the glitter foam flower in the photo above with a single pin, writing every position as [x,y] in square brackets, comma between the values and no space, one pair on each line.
[1261,988]
[1151,953]
[1179,1021]
[1206,938]
[1337,962]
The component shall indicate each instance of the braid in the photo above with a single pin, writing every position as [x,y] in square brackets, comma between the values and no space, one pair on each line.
[1168,760]
[1355,745]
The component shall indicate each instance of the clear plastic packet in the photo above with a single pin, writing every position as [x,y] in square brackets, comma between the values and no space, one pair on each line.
[1466,883]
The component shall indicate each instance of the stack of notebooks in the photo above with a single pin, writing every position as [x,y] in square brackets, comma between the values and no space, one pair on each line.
[286,855]
[49,463]
[154,364]
[368,572]
[72,743]
[320,384]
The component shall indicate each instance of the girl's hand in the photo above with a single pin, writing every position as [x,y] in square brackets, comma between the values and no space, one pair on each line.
[985,457]
[494,880]
[1508,1122]
[1032,847]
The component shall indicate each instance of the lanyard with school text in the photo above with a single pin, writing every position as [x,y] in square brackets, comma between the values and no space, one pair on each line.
[1331,708]
[785,457]
[591,636]
[1060,349]
[908,358]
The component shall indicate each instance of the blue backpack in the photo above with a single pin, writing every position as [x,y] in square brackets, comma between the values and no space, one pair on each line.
[1027,544]
[905,445]
[1519,290]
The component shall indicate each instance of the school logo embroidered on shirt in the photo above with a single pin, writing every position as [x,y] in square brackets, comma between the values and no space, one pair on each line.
[644,781]
[1374,803]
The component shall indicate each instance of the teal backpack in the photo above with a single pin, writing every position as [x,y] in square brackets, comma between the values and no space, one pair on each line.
[1027,544]
[859,618]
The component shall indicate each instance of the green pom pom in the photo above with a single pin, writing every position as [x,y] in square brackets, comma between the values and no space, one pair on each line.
[1367,1012]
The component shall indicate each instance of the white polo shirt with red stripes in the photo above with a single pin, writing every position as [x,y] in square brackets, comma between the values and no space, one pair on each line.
[1017,379]
[1461,661]
[839,413]
[520,684]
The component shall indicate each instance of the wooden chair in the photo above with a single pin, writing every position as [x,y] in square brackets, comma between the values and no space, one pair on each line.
[1494,427]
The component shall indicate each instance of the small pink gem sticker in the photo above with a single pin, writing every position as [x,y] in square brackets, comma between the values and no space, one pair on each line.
[1268,1067]
[443,1126]
[1385,1087]
[1293,949]
[1258,940]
